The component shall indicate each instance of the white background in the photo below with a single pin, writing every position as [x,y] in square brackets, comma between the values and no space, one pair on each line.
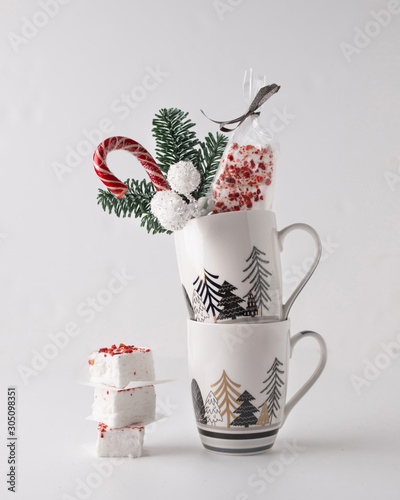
[340,156]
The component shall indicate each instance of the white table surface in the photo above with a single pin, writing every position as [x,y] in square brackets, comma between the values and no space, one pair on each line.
[346,446]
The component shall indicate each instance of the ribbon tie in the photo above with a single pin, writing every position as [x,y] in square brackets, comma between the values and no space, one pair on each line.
[262,96]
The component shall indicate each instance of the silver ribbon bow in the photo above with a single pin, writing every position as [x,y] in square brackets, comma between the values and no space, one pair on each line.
[262,96]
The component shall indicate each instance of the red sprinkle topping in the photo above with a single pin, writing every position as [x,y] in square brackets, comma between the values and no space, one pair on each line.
[122,349]
[103,428]
[246,174]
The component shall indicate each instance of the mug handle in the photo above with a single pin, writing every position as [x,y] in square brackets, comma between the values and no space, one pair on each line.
[317,372]
[281,237]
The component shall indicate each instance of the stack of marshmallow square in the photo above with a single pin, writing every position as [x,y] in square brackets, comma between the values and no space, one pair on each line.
[120,411]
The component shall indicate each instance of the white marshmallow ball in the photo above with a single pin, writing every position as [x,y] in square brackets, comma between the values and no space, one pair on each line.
[183,177]
[170,209]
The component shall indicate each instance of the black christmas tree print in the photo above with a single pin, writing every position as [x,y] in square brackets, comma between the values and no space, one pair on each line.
[188,304]
[258,276]
[212,413]
[230,303]
[251,309]
[198,405]
[208,289]
[226,395]
[245,411]
[199,309]
[273,388]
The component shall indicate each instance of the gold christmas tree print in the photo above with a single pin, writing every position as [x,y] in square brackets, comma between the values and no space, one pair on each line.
[264,416]
[226,395]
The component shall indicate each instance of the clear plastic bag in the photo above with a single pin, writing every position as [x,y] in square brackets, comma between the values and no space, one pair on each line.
[246,175]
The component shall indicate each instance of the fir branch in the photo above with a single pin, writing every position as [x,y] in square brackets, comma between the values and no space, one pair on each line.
[136,201]
[175,139]
[211,151]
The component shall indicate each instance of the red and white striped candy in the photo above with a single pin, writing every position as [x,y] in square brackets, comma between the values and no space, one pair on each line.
[108,178]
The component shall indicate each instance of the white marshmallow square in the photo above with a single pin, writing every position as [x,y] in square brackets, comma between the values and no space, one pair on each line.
[123,442]
[124,407]
[118,366]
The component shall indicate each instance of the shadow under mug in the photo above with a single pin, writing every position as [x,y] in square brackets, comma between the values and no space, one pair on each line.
[239,378]
[230,266]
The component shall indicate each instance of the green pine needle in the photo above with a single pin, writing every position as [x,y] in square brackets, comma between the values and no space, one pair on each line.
[175,139]
[136,201]
[211,153]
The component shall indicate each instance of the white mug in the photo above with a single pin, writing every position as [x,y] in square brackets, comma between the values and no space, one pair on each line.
[230,266]
[239,376]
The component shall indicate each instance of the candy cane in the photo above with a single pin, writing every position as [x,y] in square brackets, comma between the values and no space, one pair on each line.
[108,178]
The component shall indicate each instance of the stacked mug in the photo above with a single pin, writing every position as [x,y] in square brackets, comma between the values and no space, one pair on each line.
[239,342]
